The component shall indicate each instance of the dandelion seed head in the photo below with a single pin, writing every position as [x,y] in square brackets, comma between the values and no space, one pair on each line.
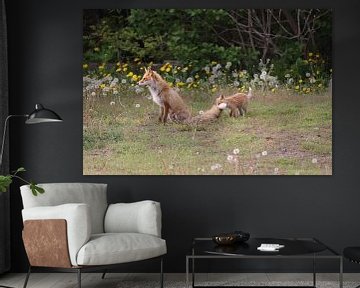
[230,158]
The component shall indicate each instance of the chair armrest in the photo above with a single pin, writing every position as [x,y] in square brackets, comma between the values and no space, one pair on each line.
[138,217]
[78,223]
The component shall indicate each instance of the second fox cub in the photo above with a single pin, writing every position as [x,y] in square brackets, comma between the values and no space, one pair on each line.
[237,103]
[170,102]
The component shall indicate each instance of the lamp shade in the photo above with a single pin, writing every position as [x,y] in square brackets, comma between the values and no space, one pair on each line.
[42,115]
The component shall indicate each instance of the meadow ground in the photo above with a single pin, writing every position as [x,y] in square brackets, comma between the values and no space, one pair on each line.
[282,134]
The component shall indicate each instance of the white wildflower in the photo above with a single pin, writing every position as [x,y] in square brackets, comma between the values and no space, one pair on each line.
[314,161]
[207,69]
[263,75]
[276,170]
[137,105]
[228,65]
[123,81]
[115,92]
[189,80]
[236,151]
[236,83]
[215,167]
[201,112]
[312,80]
[230,158]
[112,103]
[264,153]
[93,94]
[307,74]
[235,75]
[287,75]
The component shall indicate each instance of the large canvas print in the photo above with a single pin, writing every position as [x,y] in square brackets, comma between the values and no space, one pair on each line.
[207,92]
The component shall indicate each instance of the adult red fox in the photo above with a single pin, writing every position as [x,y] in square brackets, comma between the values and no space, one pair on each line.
[237,103]
[170,102]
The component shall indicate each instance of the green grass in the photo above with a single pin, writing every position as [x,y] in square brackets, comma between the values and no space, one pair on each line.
[292,130]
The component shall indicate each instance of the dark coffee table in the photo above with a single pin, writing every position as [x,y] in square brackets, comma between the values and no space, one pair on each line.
[295,248]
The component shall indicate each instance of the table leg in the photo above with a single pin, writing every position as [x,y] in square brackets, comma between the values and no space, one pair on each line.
[314,271]
[187,272]
[193,272]
[341,273]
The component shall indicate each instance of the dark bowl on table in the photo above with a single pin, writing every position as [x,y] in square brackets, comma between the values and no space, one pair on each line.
[231,238]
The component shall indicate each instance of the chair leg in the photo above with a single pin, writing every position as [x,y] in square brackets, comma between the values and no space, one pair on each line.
[27,277]
[103,275]
[161,273]
[79,277]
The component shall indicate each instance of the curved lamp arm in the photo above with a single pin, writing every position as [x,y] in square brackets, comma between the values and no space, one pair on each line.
[39,115]
[4,134]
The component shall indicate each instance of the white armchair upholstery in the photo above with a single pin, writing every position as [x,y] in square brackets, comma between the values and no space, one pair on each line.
[97,234]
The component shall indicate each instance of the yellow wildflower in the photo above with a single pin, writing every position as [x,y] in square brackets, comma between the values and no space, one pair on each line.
[125,69]
[179,84]
[118,70]
[197,76]
[297,87]
[162,69]
[320,85]
[300,81]
[130,74]
[168,69]
[310,54]
[137,59]
[213,62]
[273,90]
[118,64]
[213,89]
[96,49]
[134,77]
[101,67]
[85,66]
[102,86]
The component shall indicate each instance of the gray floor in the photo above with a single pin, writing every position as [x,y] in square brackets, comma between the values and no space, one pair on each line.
[120,280]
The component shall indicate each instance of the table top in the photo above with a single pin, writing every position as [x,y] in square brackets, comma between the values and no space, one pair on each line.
[292,247]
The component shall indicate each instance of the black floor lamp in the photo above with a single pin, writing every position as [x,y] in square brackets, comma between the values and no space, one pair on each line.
[39,115]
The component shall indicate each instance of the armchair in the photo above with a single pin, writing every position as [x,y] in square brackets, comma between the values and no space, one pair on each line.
[71,228]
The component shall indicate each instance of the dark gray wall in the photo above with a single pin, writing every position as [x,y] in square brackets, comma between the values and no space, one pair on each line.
[45,49]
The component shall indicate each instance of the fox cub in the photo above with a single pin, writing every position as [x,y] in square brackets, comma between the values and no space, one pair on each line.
[171,104]
[209,115]
[237,103]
